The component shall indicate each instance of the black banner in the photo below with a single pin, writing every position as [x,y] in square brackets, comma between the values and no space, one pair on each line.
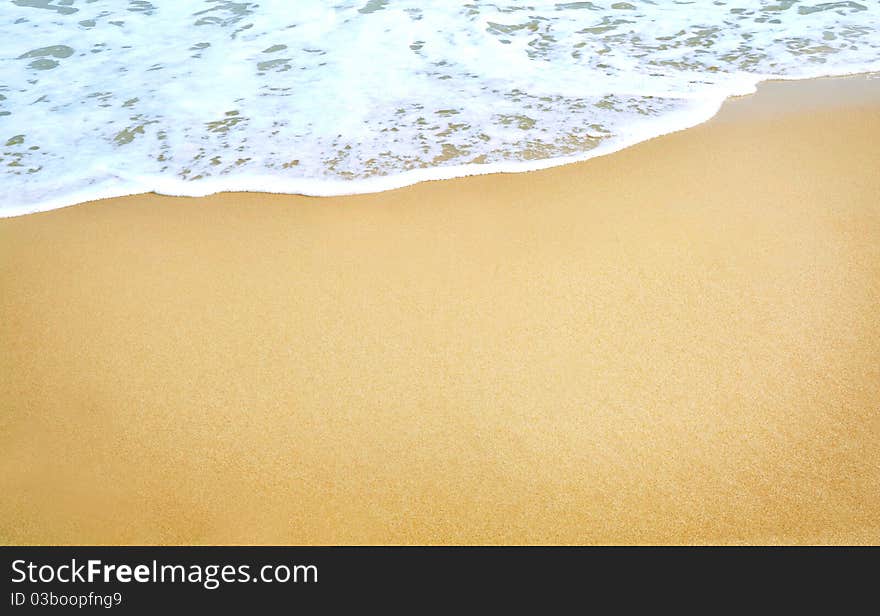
[241,579]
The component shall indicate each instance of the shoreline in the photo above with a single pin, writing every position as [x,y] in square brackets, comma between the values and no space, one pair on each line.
[675,344]
[317,188]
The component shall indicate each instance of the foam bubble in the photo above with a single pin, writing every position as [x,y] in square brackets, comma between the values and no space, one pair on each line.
[104,98]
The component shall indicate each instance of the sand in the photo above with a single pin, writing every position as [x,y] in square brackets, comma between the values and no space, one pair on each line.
[677,343]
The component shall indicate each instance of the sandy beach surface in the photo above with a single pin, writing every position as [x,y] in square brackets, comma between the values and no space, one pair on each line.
[677,343]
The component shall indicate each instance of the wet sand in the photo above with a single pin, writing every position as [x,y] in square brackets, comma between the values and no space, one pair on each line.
[677,343]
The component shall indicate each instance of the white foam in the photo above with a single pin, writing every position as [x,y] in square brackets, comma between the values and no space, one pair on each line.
[107,98]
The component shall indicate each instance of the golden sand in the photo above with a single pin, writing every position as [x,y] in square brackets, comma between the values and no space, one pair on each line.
[677,343]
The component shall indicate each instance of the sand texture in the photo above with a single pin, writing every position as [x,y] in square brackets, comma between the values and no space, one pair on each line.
[677,343]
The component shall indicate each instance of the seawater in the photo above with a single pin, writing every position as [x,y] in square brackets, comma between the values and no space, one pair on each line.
[189,97]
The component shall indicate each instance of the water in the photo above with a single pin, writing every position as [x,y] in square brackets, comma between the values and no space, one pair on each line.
[109,97]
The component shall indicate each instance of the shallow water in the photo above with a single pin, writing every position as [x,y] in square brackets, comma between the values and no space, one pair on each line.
[101,98]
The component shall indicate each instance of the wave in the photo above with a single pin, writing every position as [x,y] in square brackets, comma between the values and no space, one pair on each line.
[106,98]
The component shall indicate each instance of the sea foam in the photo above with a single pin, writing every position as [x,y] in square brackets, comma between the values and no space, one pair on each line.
[102,98]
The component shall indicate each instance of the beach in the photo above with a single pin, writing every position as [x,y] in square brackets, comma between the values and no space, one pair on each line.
[677,343]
